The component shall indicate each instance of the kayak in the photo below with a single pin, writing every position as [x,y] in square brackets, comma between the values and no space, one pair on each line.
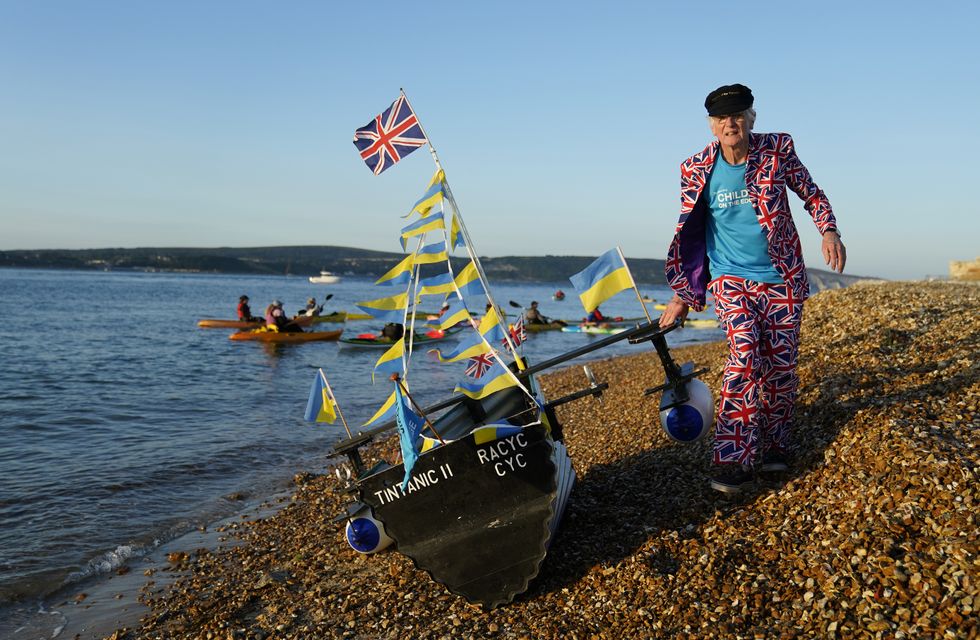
[214,323]
[364,316]
[336,316]
[557,325]
[593,329]
[658,306]
[374,341]
[302,321]
[263,335]
[700,323]
[551,326]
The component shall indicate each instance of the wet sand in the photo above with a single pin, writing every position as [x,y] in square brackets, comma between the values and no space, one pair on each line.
[873,532]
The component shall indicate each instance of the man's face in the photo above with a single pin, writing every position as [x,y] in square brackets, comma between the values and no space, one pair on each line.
[732,130]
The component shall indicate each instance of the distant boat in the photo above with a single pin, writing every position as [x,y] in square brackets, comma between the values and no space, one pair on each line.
[325,277]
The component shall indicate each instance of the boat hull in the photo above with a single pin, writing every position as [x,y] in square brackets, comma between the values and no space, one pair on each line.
[215,323]
[325,277]
[337,316]
[367,343]
[286,337]
[477,517]
[593,329]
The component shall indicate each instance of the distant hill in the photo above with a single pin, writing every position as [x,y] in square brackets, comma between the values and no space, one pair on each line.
[310,260]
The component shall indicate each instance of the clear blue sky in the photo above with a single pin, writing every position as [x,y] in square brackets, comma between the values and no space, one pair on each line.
[560,125]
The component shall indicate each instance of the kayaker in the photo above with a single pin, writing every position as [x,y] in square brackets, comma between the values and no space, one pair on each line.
[393,331]
[736,238]
[533,315]
[595,317]
[244,313]
[311,308]
[276,317]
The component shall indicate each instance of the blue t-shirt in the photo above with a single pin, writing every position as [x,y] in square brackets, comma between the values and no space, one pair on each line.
[736,241]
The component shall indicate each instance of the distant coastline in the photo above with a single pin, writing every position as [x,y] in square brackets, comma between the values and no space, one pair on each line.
[310,260]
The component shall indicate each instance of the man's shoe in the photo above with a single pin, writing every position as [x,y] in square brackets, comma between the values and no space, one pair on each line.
[731,478]
[774,462]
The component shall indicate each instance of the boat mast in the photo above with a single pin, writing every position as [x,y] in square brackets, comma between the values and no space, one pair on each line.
[467,240]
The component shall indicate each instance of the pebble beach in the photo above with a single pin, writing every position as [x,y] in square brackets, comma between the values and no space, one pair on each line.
[872,533]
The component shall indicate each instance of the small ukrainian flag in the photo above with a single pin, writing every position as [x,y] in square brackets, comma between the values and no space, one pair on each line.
[602,279]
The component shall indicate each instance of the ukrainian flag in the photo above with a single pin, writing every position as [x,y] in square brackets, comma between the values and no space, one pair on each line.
[421,226]
[386,412]
[432,253]
[391,309]
[496,378]
[602,279]
[321,406]
[401,273]
[468,281]
[433,195]
[440,283]
[391,361]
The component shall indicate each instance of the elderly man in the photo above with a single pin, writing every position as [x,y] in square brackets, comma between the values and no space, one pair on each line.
[736,238]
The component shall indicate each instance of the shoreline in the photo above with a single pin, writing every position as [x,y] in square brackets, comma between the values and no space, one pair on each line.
[883,496]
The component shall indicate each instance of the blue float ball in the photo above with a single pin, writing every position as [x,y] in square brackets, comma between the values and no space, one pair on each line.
[692,420]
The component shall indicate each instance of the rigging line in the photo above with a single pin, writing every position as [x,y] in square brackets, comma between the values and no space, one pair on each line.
[416,269]
[633,282]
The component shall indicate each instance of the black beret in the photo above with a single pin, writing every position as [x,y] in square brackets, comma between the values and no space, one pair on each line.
[729,99]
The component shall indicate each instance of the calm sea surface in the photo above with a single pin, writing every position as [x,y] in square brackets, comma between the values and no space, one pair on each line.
[123,425]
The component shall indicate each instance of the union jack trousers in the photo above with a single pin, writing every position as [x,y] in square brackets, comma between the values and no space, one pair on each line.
[759,384]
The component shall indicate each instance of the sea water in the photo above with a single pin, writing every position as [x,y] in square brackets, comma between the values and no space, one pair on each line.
[123,425]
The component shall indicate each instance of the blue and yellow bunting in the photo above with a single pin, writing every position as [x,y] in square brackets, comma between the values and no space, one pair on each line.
[422,226]
[468,281]
[400,274]
[490,331]
[434,194]
[432,253]
[386,412]
[390,309]
[456,313]
[455,235]
[496,378]
[441,283]
[391,361]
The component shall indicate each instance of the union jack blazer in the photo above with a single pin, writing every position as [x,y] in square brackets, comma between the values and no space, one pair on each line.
[772,165]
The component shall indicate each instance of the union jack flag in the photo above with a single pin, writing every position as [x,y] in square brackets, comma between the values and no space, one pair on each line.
[389,137]
[479,365]
[517,332]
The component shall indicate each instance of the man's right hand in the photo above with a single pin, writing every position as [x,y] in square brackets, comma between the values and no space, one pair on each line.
[676,308]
